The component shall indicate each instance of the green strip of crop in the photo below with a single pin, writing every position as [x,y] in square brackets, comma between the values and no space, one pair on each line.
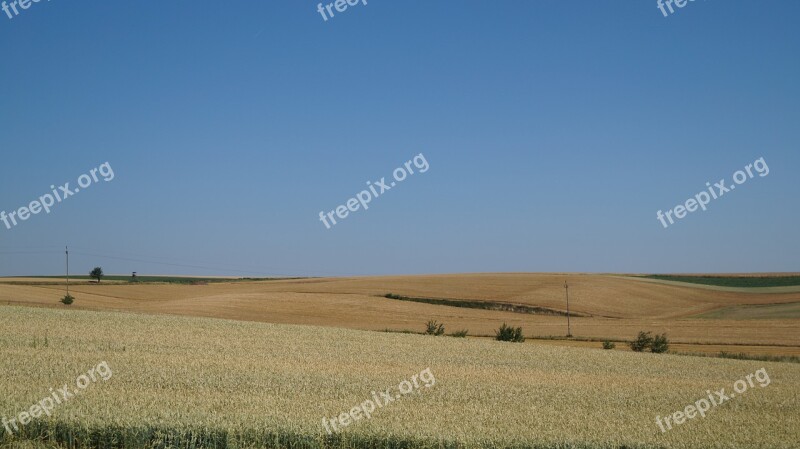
[733,281]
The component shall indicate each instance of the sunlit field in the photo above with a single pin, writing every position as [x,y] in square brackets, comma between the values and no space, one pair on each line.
[195,382]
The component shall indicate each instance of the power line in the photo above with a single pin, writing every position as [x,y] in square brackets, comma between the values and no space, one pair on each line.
[174,262]
[29,252]
[171,264]
[208,267]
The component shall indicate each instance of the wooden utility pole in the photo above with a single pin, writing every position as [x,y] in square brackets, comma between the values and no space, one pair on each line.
[67,251]
[566,289]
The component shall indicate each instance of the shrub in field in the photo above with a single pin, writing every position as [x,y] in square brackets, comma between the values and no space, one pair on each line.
[609,345]
[508,333]
[460,334]
[660,344]
[643,341]
[67,299]
[434,328]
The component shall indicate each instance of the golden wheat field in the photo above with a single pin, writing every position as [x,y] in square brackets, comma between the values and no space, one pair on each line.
[198,382]
[700,318]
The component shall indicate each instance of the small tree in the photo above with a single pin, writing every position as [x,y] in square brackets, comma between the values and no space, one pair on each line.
[609,344]
[660,344]
[643,341]
[508,333]
[67,299]
[434,328]
[97,273]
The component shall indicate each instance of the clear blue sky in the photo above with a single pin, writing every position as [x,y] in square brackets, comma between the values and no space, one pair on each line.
[554,131]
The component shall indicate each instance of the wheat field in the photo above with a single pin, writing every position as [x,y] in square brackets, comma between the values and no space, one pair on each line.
[199,382]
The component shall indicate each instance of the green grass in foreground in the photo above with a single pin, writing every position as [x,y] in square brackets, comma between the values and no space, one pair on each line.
[733,281]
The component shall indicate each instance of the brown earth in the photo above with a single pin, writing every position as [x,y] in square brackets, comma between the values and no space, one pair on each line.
[619,306]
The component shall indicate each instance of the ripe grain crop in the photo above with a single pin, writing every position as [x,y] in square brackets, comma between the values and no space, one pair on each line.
[196,382]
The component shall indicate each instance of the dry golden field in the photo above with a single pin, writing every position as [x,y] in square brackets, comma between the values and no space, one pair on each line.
[198,382]
[698,317]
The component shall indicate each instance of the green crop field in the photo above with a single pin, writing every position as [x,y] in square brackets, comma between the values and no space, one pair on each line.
[198,382]
[733,281]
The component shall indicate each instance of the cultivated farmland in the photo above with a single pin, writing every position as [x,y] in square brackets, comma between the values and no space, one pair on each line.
[198,382]
[702,318]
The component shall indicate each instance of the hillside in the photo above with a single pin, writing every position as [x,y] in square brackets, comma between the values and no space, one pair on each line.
[614,307]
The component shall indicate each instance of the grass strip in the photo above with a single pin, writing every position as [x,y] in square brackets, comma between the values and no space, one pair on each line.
[485,305]
[743,356]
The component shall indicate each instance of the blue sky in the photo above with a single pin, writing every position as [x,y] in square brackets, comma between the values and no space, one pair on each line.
[554,131]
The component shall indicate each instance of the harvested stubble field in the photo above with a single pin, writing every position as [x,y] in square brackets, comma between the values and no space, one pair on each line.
[705,318]
[196,382]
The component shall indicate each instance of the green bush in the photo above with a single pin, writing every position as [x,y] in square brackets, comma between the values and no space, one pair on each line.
[460,334]
[643,341]
[657,345]
[67,299]
[434,328]
[609,345]
[508,333]
[660,344]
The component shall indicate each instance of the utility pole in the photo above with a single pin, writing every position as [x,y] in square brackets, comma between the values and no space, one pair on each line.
[566,289]
[67,251]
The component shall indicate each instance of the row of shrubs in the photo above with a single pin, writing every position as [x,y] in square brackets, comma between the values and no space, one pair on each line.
[505,333]
[644,341]
[657,344]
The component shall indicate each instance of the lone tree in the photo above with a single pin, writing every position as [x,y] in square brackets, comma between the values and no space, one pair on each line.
[97,273]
